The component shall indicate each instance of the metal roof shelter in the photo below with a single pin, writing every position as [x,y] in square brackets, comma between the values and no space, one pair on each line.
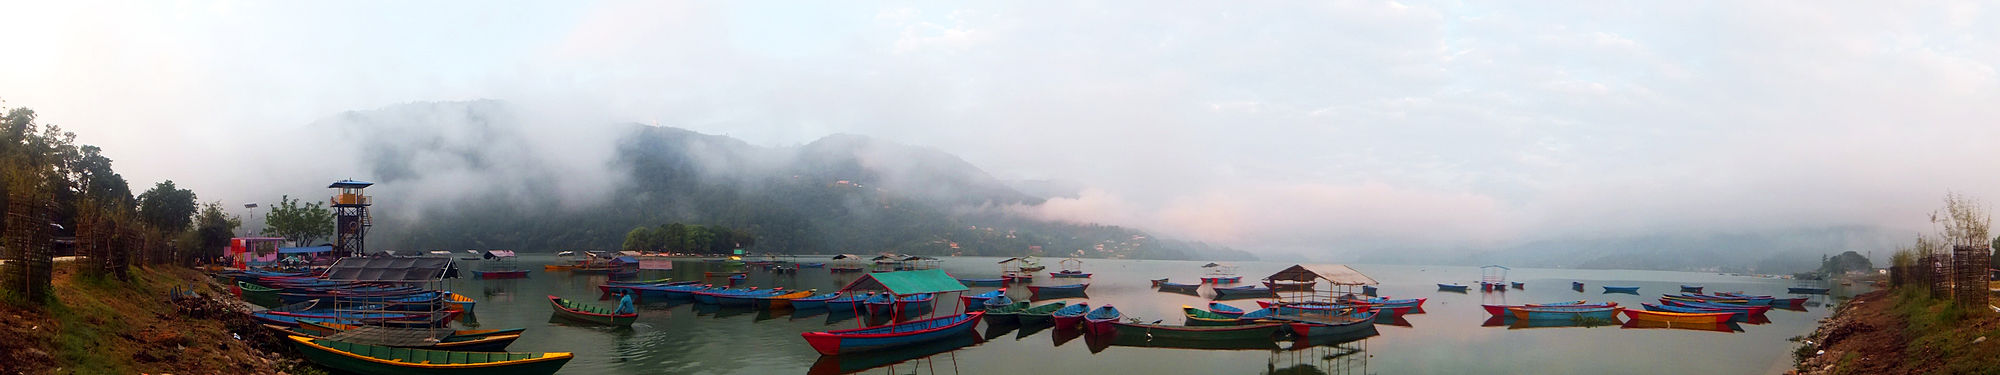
[903,283]
[1335,274]
[304,250]
[390,269]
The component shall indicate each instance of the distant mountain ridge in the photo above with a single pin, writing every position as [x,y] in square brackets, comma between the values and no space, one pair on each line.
[1770,252]
[841,193]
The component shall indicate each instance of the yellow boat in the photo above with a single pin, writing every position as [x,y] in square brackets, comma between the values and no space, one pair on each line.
[558,267]
[1674,317]
[459,302]
[785,300]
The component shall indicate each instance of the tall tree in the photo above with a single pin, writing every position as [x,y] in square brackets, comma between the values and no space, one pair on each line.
[211,233]
[166,207]
[300,223]
[640,238]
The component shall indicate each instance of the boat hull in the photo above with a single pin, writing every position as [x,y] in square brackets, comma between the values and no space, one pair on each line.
[1216,333]
[1675,317]
[879,338]
[329,356]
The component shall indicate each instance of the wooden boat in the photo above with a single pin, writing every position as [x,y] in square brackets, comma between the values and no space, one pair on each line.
[1021,277]
[1690,288]
[1453,287]
[1069,275]
[812,265]
[1058,288]
[378,360]
[1179,287]
[1199,317]
[744,299]
[500,274]
[1752,310]
[978,301]
[459,302]
[1749,300]
[814,302]
[1676,317]
[1259,314]
[1621,289]
[1225,310]
[1070,317]
[1710,327]
[1358,321]
[852,303]
[319,328]
[1806,290]
[1253,291]
[1032,264]
[1038,314]
[1578,285]
[1216,333]
[590,314]
[1550,313]
[664,281]
[1002,310]
[1290,286]
[1772,301]
[1501,310]
[722,273]
[1221,279]
[1516,284]
[1743,315]
[257,294]
[890,336]
[477,343]
[1098,321]
[911,302]
[983,282]
[1157,282]
[880,304]
[1385,302]
[558,267]
[781,300]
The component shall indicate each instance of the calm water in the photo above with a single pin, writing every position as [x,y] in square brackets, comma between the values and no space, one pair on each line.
[686,338]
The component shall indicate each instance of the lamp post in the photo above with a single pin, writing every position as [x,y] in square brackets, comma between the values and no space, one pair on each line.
[249,212]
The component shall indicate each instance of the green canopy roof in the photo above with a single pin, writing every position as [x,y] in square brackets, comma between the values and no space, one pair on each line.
[903,283]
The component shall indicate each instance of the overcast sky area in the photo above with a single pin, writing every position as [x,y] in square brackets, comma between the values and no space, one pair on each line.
[1264,126]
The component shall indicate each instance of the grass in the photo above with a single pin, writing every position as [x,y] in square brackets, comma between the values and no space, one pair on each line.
[1940,333]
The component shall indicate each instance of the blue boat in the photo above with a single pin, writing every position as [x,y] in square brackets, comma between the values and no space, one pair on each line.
[745,299]
[1578,285]
[814,302]
[983,282]
[690,291]
[1556,312]
[889,336]
[1058,288]
[1453,287]
[813,265]
[1690,288]
[910,302]
[1098,321]
[880,304]
[977,302]
[1264,313]
[1806,290]
[1356,322]
[1070,317]
[1252,291]
[1751,300]
[1169,286]
[1739,314]
[848,302]
[1225,310]
[1621,289]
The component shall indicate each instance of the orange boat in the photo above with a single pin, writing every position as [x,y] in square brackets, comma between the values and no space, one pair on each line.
[1674,317]
[558,267]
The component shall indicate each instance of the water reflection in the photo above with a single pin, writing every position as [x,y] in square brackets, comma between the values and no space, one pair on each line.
[1346,354]
[1711,327]
[1513,323]
[936,357]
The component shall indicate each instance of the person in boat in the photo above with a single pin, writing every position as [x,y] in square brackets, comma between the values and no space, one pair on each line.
[625,304]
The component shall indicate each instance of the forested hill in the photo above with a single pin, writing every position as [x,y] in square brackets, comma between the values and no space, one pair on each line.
[840,194]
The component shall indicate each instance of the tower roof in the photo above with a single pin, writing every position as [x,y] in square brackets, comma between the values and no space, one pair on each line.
[350,184]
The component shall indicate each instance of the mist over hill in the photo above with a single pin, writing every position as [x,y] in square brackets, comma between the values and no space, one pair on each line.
[485,175]
[1770,252]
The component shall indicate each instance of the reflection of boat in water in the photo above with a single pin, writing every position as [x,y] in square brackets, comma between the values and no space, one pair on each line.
[1030,329]
[1063,336]
[1712,327]
[995,329]
[1140,340]
[1512,323]
[1096,343]
[1329,354]
[857,362]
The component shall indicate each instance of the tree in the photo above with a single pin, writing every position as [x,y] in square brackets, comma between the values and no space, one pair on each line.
[211,233]
[166,207]
[641,238]
[302,224]
[1847,261]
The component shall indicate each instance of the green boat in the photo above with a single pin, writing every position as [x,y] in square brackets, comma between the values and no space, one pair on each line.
[1007,314]
[1199,317]
[378,360]
[259,295]
[1197,333]
[590,314]
[1038,314]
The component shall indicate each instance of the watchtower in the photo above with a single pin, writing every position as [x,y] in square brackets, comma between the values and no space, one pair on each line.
[350,216]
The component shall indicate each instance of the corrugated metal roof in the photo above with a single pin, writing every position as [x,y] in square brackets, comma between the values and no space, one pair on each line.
[389,269]
[903,283]
[1337,274]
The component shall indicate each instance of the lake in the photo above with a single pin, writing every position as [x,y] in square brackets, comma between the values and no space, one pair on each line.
[1451,335]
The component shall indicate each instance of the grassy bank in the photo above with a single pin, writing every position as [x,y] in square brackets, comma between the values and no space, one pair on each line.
[1904,331]
[107,326]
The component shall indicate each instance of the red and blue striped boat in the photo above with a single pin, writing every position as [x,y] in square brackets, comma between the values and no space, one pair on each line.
[890,336]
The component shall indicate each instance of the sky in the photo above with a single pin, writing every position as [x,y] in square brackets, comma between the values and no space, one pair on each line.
[1268,126]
